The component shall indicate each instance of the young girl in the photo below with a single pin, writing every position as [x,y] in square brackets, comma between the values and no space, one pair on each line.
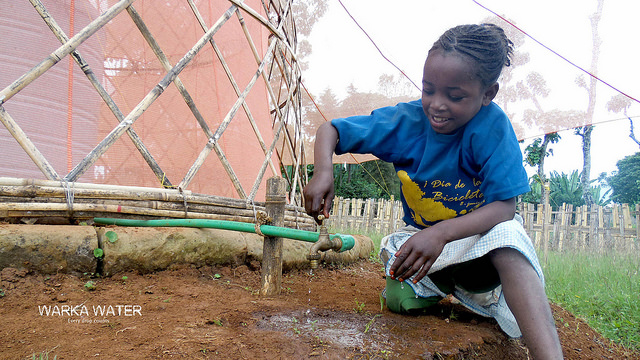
[460,165]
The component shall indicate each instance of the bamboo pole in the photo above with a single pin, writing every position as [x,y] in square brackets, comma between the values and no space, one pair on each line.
[529,220]
[263,167]
[64,50]
[27,145]
[232,80]
[213,141]
[255,15]
[166,65]
[593,223]
[154,205]
[88,211]
[276,136]
[625,219]
[46,188]
[84,66]
[272,96]
[275,102]
[599,226]
[115,134]
[9,181]
[567,227]
[297,173]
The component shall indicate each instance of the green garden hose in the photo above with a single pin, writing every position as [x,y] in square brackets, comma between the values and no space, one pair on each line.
[275,231]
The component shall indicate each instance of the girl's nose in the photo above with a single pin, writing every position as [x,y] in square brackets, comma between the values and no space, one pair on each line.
[438,103]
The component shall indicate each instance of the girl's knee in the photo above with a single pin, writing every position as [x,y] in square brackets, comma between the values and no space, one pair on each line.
[509,259]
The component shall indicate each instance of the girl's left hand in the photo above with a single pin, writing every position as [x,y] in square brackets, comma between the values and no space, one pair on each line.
[417,255]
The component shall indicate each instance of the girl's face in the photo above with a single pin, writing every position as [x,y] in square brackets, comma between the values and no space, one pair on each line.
[451,92]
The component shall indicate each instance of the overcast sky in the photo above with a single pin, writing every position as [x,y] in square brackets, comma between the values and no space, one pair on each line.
[405,30]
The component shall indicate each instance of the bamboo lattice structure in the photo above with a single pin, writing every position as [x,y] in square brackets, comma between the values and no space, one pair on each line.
[277,71]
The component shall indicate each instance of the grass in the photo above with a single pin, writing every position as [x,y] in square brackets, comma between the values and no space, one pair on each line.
[43,355]
[374,236]
[600,288]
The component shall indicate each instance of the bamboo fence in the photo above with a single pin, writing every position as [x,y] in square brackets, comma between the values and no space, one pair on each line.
[366,215]
[599,229]
[62,196]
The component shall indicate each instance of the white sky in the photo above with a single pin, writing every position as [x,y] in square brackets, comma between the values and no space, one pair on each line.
[405,29]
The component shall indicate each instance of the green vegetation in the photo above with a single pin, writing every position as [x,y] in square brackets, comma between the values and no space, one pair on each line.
[90,285]
[565,188]
[624,182]
[44,355]
[112,236]
[600,288]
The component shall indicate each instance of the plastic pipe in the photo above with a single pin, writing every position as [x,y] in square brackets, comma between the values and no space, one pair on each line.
[309,236]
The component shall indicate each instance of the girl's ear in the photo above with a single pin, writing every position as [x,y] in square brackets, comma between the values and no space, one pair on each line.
[490,93]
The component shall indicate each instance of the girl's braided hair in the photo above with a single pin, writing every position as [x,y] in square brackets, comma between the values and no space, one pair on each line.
[486,45]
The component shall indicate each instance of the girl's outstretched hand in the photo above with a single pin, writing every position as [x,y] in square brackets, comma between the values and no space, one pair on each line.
[417,255]
[318,194]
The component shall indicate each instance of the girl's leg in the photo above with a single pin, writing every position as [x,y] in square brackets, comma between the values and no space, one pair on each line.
[528,302]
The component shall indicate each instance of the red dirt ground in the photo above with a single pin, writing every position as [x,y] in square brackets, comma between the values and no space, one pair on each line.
[216,313]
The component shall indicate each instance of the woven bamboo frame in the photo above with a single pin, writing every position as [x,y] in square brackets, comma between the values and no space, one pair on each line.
[277,67]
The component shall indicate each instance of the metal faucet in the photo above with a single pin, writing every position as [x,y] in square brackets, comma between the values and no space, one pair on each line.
[324,243]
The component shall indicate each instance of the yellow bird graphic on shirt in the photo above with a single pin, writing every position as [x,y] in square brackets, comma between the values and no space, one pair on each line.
[422,209]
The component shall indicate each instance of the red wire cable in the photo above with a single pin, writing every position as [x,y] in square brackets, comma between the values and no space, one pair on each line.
[377,48]
[556,53]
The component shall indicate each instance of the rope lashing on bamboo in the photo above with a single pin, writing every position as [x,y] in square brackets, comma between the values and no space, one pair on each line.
[69,195]
[261,218]
[184,201]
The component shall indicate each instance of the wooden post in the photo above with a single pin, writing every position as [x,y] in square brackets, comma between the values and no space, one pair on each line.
[561,231]
[272,249]
[529,221]
[568,236]
[583,224]
[546,219]
[625,222]
[606,236]
[370,217]
[593,228]
[380,216]
[394,215]
[637,240]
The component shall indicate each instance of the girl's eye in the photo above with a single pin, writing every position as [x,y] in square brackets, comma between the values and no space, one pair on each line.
[427,92]
[456,98]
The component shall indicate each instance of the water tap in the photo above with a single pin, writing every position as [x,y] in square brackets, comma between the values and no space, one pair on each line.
[324,243]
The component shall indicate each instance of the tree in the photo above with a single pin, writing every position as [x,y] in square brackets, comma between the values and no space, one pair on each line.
[306,14]
[625,182]
[586,131]
[622,103]
[384,174]
[536,152]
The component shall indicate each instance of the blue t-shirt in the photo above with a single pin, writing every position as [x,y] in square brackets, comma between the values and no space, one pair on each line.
[443,176]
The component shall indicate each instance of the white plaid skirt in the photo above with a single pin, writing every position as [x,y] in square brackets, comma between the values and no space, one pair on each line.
[491,304]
